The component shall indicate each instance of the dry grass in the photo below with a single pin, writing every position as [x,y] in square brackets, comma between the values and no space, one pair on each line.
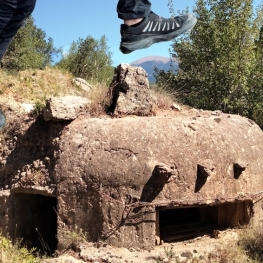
[248,249]
[227,254]
[36,85]
[164,99]
[251,241]
[71,238]
[99,99]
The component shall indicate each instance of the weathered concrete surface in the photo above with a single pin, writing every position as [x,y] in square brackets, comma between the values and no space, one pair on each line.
[130,92]
[111,177]
[107,166]
[65,108]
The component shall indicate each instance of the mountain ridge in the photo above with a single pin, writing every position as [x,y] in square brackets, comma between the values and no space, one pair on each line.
[150,62]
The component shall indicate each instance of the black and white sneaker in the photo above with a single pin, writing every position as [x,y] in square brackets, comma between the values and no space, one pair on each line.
[2,119]
[154,29]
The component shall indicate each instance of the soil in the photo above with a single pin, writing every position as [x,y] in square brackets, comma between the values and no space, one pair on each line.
[196,250]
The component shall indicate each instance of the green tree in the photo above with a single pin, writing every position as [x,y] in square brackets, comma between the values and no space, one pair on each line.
[30,48]
[220,57]
[89,59]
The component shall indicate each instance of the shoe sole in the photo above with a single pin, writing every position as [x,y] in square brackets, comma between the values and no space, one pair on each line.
[128,47]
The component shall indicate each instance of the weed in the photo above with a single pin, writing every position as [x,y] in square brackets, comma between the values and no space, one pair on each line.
[14,253]
[169,256]
[251,241]
[99,99]
[169,253]
[36,85]
[71,238]
[164,98]
[38,108]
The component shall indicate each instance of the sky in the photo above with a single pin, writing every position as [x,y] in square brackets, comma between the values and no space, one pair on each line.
[68,20]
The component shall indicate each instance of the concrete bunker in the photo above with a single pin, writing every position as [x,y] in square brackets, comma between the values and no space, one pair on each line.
[35,221]
[182,223]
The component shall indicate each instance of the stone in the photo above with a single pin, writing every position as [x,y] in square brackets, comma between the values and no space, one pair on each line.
[187,254]
[176,107]
[82,83]
[130,92]
[27,107]
[62,259]
[65,108]
[216,112]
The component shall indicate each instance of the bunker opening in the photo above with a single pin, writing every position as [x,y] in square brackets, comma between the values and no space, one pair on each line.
[182,223]
[35,222]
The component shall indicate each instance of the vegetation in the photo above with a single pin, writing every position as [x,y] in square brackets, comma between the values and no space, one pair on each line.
[36,85]
[30,49]
[248,249]
[221,60]
[14,253]
[89,59]
[72,238]
[251,241]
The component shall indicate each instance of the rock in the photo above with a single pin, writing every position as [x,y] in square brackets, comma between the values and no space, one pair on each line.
[27,107]
[216,112]
[187,254]
[62,259]
[176,107]
[65,108]
[215,233]
[130,92]
[82,83]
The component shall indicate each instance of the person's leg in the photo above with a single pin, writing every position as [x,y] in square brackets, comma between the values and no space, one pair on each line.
[142,28]
[12,15]
[133,9]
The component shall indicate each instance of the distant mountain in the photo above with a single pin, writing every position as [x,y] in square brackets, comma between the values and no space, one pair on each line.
[148,64]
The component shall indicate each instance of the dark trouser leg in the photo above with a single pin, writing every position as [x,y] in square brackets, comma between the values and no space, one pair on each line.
[132,9]
[12,15]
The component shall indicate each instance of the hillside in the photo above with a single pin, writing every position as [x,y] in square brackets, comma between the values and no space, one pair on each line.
[150,62]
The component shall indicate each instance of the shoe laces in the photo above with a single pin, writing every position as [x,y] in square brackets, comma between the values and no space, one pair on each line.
[171,19]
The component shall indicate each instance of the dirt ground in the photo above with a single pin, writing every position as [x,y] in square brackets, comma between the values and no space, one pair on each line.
[196,250]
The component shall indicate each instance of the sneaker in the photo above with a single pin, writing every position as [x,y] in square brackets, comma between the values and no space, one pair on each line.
[154,29]
[2,119]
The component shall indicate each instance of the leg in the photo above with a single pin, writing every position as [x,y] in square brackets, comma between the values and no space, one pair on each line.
[12,15]
[133,9]
[142,28]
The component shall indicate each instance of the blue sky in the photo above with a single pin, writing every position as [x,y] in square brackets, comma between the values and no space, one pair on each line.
[68,20]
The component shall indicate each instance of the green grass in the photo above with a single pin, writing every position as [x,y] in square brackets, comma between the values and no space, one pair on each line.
[14,253]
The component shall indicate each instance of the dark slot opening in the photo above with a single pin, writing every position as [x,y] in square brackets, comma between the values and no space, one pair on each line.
[35,222]
[185,223]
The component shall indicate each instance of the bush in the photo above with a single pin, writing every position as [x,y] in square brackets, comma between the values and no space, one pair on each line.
[15,253]
[89,59]
[251,241]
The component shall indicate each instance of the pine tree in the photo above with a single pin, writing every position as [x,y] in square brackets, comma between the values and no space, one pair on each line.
[217,59]
[89,59]
[30,48]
